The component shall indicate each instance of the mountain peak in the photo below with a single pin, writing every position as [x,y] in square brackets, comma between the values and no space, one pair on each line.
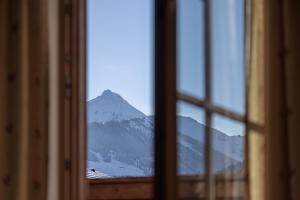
[110,106]
[108,92]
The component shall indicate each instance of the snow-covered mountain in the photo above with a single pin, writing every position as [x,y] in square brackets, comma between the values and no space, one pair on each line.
[111,107]
[120,141]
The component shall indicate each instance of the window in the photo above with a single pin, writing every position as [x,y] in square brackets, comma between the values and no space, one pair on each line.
[205,40]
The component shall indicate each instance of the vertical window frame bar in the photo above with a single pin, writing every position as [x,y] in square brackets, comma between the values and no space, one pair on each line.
[72,99]
[165,179]
[208,97]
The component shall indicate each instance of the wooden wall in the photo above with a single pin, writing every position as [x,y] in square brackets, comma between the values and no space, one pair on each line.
[291,10]
[282,83]
[24,99]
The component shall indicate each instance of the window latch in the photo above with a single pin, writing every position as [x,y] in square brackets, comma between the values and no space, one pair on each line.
[68,86]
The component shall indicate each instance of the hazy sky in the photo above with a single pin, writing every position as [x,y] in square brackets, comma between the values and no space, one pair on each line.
[121,54]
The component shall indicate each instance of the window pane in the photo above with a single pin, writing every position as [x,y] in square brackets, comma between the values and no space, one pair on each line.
[120,84]
[190,47]
[229,157]
[228,54]
[228,139]
[190,139]
[190,150]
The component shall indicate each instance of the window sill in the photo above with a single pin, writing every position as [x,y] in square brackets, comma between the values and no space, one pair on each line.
[142,188]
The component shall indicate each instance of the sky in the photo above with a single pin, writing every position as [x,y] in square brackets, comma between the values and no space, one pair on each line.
[121,54]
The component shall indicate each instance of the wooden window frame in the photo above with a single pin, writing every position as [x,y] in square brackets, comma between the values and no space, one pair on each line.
[74,184]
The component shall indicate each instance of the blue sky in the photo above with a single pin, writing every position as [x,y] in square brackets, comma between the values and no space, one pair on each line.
[121,54]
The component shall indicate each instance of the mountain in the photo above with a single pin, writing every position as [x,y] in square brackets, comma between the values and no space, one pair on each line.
[231,146]
[111,107]
[120,141]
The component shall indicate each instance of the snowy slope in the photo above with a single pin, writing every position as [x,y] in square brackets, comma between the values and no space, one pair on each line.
[95,174]
[111,168]
[120,142]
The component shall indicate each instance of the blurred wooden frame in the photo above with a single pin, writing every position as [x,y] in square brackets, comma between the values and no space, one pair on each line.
[73,183]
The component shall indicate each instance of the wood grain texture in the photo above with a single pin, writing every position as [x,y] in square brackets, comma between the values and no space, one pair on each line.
[72,100]
[274,100]
[24,94]
[142,188]
[256,102]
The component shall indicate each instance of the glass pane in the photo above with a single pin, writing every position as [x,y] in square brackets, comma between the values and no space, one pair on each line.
[228,139]
[120,84]
[228,54]
[229,144]
[190,150]
[190,47]
[190,139]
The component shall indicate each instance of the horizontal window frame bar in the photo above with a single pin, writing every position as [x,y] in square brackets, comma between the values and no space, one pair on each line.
[209,107]
[142,187]
[150,179]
